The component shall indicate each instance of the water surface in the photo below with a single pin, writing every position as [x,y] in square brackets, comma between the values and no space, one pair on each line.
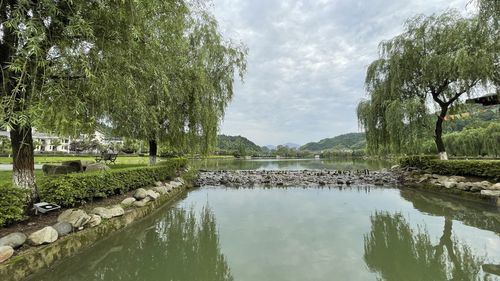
[247,234]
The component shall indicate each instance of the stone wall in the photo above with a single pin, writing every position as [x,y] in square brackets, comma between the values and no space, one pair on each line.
[42,257]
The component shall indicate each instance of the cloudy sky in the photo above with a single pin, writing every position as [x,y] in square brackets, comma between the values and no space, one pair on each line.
[307,62]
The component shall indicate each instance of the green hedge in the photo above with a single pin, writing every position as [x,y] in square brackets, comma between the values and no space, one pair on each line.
[12,204]
[474,168]
[73,189]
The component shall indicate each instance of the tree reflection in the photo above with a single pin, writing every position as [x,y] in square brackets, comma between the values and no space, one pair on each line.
[398,252]
[181,246]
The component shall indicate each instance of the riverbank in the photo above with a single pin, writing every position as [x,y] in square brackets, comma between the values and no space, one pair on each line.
[76,230]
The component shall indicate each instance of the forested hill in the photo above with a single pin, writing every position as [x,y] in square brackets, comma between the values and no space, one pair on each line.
[236,144]
[347,141]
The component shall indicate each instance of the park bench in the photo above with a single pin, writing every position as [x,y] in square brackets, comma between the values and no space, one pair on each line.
[107,157]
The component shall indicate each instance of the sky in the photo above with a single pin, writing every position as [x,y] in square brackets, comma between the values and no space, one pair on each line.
[307,62]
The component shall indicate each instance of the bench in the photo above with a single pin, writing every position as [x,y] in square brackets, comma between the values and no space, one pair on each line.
[107,157]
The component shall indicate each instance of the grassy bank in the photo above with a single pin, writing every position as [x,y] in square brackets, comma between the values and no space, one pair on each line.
[43,159]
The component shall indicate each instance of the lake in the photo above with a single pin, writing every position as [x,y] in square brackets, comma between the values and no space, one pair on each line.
[248,234]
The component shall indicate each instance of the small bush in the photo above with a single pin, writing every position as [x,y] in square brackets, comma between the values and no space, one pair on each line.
[474,168]
[73,189]
[12,204]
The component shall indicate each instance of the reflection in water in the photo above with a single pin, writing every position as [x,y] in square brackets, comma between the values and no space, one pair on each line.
[397,252]
[483,217]
[289,164]
[177,247]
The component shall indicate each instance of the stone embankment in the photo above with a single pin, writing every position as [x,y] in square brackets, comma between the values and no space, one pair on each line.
[458,183]
[77,228]
[296,178]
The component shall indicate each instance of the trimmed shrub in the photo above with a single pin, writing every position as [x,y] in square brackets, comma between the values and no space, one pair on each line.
[474,168]
[73,189]
[12,204]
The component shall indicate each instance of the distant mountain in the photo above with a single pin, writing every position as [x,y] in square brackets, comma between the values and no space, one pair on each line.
[270,146]
[237,145]
[346,141]
[291,145]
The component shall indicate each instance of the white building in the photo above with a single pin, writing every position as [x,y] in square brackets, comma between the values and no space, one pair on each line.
[51,143]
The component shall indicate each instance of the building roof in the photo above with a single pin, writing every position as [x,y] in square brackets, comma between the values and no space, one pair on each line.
[486,100]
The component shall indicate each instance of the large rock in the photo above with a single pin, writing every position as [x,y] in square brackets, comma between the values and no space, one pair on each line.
[494,193]
[161,189]
[478,186]
[45,235]
[14,240]
[179,179]
[152,194]
[140,194]
[5,253]
[96,167]
[142,202]
[49,169]
[175,184]
[107,213]
[63,228]
[95,220]
[449,183]
[76,164]
[76,217]
[495,186]
[158,183]
[128,201]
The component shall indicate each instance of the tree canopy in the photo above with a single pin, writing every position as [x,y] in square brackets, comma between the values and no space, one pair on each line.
[428,68]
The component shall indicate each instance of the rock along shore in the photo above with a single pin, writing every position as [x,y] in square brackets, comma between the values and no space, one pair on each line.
[239,178]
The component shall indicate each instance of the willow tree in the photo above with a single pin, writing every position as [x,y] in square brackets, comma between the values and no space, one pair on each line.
[47,50]
[181,87]
[437,59]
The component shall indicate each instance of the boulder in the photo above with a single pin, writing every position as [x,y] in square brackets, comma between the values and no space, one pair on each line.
[140,194]
[5,253]
[158,183]
[152,194]
[76,164]
[49,169]
[494,193]
[395,167]
[176,184]
[463,186]
[478,186]
[449,183]
[45,235]
[107,213]
[95,220]
[14,240]
[495,186]
[458,178]
[63,228]
[161,189]
[96,167]
[128,201]
[142,202]
[76,217]
[180,180]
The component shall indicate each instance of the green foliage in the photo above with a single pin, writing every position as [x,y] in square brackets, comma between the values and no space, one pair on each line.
[473,168]
[74,189]
[341,142]
[12,204]
[236,145]
[175,78]
[440,57]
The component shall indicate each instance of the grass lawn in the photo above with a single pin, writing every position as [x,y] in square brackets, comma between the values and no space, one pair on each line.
[39,159]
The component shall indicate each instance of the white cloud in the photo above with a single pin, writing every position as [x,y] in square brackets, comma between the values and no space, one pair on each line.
[307,62]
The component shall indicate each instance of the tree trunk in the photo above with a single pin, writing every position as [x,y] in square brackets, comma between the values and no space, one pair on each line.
[23,174]
[153,149]
[438,137]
